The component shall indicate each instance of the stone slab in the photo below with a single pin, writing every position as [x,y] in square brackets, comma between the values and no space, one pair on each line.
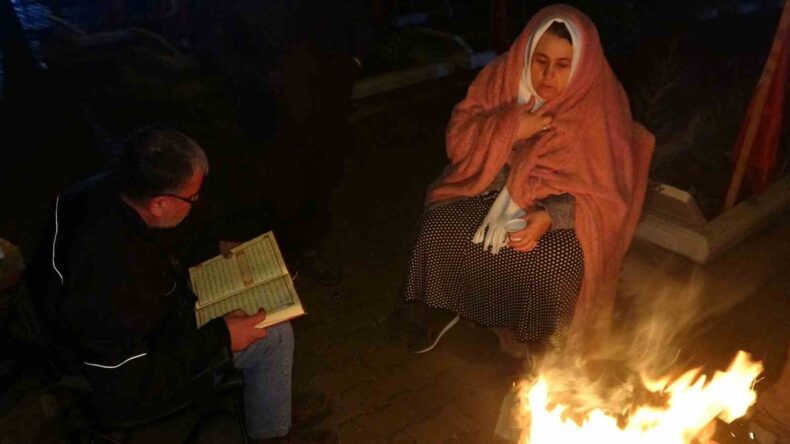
[746,218]
[474,60]
[667,233]
[674,204]
[673,224]
[399,79]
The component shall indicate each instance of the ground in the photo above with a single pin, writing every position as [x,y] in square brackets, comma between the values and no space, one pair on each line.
[380,391]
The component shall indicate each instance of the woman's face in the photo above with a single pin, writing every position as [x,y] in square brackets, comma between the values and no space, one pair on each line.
[551,66]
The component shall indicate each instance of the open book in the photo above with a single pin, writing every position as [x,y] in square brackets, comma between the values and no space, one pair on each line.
[254,277]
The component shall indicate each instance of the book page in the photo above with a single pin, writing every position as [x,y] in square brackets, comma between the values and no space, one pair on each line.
[262,257]
[273,296]
[253,262]
[215,279]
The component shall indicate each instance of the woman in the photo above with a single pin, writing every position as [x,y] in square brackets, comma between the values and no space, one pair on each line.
[544,135]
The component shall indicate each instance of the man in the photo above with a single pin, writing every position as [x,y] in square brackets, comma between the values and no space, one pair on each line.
[109,288]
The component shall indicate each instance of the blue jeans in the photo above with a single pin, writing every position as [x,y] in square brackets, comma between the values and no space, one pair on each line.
[266,365]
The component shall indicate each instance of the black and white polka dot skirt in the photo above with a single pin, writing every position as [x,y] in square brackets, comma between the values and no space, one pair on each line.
[532,293]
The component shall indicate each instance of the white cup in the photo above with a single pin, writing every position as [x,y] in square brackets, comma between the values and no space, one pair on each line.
[514,225]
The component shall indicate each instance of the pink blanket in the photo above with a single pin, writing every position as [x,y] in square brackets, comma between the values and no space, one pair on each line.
[596,152]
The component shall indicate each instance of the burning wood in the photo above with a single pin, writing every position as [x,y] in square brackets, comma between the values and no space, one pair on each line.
[555,409]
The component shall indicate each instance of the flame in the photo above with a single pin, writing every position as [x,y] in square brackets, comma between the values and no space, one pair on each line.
[690,404]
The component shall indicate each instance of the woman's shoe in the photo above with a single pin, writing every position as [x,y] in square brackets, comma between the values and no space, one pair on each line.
[509,344]
[426,340]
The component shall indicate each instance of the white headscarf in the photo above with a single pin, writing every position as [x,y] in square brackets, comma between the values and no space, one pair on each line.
[525,88]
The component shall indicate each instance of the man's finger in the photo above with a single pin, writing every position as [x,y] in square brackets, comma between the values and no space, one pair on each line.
[257,318]
[260,315]
[224,249]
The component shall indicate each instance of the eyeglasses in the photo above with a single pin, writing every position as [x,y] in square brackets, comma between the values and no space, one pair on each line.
[190,200]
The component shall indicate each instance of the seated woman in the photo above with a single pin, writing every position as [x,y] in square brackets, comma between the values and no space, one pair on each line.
[544,137]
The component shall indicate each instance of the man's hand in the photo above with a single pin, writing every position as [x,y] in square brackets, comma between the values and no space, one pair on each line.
[242,328]
[226,246]
[538,223]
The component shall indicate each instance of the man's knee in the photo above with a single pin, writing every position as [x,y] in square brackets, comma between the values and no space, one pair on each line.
[277,345]
[282,335]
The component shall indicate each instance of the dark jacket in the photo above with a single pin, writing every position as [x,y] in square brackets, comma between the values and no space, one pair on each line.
[115,303]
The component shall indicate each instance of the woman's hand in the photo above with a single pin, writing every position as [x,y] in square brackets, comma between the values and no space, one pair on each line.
[532,123]
[538,223]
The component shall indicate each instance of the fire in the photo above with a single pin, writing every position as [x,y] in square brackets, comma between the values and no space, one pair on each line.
[689,405]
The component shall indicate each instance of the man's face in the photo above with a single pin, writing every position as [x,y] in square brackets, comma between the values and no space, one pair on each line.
[171,209]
